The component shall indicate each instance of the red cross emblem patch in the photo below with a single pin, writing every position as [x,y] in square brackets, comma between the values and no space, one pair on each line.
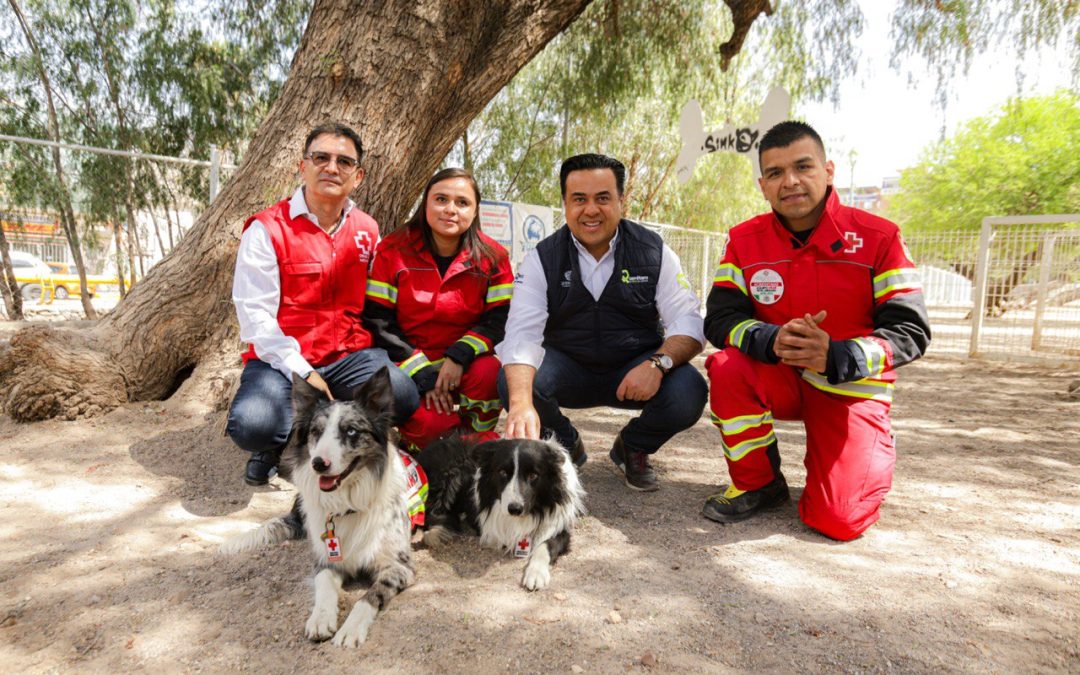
[854,242]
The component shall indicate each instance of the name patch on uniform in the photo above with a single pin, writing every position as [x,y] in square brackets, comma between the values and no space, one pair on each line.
[767,286]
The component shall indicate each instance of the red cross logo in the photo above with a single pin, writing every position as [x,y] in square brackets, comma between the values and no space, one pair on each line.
[332,545]
[523,544]
[854,242]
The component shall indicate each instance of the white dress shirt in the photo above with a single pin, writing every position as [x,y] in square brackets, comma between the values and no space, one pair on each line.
[679,307]
[256,292]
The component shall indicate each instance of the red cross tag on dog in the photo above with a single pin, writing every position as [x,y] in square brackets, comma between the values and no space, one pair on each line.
[523,548]
[333,549]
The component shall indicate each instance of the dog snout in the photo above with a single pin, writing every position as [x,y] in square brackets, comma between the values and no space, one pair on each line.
[515,508]
[320,464]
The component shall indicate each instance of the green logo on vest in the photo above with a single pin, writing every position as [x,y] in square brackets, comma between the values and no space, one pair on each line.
[636,279]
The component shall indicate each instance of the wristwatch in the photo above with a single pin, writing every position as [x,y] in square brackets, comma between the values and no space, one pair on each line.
[662,362]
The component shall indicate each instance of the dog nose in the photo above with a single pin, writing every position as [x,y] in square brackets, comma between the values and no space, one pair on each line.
[320,464]
[515,508]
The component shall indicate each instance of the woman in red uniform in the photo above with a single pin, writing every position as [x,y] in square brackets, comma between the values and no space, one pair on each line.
[438,295]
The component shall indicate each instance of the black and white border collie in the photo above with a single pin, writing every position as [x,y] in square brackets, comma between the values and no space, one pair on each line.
[351,487]
[521,496]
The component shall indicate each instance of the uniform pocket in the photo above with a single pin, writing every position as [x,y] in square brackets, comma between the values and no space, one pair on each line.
[302,283]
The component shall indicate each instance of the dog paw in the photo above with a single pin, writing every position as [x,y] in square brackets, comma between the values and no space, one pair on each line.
[537,576]
[437,536]
[321,624]
[355,630]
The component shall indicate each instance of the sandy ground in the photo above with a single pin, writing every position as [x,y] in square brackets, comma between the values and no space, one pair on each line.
[110,529]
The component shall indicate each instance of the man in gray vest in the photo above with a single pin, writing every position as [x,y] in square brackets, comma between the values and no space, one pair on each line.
[602,316]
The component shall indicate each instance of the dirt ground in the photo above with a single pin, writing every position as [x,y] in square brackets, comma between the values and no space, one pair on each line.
[110,529]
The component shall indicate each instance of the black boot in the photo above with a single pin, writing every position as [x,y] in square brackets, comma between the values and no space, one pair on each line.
[733,505]
[261,467]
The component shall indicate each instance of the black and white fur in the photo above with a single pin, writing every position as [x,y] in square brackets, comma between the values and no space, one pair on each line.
[343,464]
[505,491]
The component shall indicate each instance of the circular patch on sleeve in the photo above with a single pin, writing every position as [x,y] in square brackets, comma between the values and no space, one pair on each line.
[767,286]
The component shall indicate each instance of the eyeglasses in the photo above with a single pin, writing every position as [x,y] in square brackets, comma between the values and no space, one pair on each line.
[345,163]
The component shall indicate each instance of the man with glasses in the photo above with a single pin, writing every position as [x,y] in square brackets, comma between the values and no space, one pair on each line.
[301,273]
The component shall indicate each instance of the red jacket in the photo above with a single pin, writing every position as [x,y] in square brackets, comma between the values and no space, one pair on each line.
[854,265]
[422,316]
[323,279]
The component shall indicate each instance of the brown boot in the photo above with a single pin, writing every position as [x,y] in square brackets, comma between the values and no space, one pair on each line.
[635,467]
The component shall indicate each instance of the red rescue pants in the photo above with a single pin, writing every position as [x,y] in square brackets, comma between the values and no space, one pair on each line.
[849,447]
[477,413]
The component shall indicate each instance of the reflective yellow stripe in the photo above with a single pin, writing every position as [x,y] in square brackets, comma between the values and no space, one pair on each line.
[739,450]
[875,356]
[414,363]
[735,337]
[485,406]
[478,345]
[737,425]
[727,272]
[478,425]
[906,279]
[864,388]
[500,293]
[381,290]
[418,500]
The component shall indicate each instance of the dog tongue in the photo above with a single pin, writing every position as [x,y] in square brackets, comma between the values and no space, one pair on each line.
[327,483]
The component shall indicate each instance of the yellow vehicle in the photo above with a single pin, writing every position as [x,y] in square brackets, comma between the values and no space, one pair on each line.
[36,279]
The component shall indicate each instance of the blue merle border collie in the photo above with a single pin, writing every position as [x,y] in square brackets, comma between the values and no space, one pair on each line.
[521,496]
[351,487]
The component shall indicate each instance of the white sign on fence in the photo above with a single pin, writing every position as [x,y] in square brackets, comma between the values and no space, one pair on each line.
[518,227]
[741,139]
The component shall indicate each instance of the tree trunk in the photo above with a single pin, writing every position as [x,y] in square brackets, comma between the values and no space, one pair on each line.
[408,76]
[9,288]
[119,245]
[67,213]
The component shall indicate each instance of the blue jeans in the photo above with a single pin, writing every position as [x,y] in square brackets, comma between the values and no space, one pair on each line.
[562,382]
[261,414]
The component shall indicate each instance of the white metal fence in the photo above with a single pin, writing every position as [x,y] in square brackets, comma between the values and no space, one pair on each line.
[1026,308]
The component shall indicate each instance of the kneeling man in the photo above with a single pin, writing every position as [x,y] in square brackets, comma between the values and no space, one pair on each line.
[602,316]
[301,274]
[813,306]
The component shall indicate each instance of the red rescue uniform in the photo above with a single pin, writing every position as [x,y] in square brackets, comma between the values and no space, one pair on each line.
[424,317]
[855,266]
[323,278]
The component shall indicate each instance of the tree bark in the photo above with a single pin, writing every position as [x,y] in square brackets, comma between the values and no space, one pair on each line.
[9,287]
[407,75]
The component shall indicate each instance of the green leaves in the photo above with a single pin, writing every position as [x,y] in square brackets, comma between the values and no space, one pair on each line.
[1021,159]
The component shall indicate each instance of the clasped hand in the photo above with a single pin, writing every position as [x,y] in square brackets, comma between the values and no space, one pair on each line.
[802,344]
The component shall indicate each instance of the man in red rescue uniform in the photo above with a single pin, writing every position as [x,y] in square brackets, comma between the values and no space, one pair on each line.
[301,274]
[813,307]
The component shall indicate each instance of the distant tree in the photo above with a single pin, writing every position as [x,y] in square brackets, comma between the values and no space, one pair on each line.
[1022,159]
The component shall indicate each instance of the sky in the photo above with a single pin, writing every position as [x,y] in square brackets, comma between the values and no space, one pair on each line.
[888,122]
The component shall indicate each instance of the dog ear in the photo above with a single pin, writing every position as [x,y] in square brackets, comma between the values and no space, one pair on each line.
[376,393]
[304,396]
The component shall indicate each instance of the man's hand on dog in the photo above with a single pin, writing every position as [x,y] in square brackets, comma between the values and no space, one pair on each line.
[641,383]
[522,422]
[800,343]
[315,380]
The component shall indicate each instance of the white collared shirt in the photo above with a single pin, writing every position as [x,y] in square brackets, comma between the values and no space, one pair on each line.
[256,292]
[679,307]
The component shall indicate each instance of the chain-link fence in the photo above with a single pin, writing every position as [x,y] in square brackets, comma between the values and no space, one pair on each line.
[130,210]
